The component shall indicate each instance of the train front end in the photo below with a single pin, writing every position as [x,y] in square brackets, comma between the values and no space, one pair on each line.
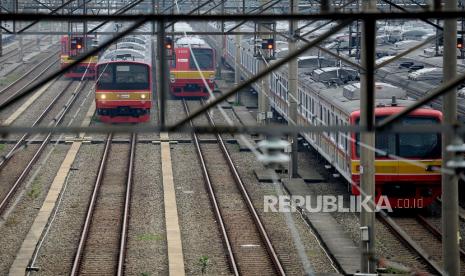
[123,92]
[71,49]
[192,74]
[407,165]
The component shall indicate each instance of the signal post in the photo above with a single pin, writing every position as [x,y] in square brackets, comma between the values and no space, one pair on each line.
[367,141]
[293,90]
[263,102]
[450,219]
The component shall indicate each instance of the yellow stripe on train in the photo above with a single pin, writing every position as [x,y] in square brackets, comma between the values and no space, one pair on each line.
[67,59]
[402,167]
[121,96]
[192,74]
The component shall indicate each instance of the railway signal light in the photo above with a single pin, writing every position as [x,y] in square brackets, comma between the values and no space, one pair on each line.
[268,44]
[168,43]
[77,43]
[459,43]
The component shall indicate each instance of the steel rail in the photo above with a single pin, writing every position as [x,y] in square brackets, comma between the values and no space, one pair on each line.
[211,193]
[461,210]
[27,169]
[435,231]
[9,54]
[91,207]
[126,212]
[29,72]
[408,241]
[5,158]
[261,228]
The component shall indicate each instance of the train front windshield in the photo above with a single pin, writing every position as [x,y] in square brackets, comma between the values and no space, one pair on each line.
[204,58]
[408,145]
[123,76]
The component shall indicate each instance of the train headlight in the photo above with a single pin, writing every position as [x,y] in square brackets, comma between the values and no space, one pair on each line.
[103,96]
[143,96]
[212,78]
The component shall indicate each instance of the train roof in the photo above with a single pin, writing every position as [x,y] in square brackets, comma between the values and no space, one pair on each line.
[137,39]
[193,41]
[347,98]
[331,69]
[125,55]
[183,27]
[131,45]
[310,57]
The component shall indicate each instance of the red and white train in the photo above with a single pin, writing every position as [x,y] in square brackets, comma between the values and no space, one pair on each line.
[407,166]
[72,47]
[123,92]
[192,69]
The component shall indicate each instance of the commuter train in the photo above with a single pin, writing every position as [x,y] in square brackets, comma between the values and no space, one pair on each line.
[123,90]
[192,69]
[72,47]
[405,184]
[76,44]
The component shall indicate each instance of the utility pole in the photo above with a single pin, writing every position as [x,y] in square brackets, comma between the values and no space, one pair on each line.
[221,53]
[293,90]
[21,53]
[367,155]
[450,223]
[84,11]
[461,30]
[237,58]
[155,85]
[263,102]
[1,31]
[163,73]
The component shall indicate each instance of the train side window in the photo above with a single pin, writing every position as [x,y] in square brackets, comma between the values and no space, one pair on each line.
[204,58]
[336,134]
[346,140]
[311,106]
[172,61]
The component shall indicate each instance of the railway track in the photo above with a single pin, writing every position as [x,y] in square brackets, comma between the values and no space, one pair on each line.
[249,248]
[422,237]
[27,158]
[15,51]
[19,85]
[102,244]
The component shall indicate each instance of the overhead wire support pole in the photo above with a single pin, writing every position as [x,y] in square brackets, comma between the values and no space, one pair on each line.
[1,37]
[450,218]
[162,72]
[367,155]
[237,59]
[293,90]
[220,58]
[263,101]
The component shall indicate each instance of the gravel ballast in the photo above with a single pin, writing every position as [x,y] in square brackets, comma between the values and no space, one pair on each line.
[26,204]
[59,247]
[146,244]
[387,245]
[199,229]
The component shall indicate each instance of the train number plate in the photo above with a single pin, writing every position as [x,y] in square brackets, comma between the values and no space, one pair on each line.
[124,96]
